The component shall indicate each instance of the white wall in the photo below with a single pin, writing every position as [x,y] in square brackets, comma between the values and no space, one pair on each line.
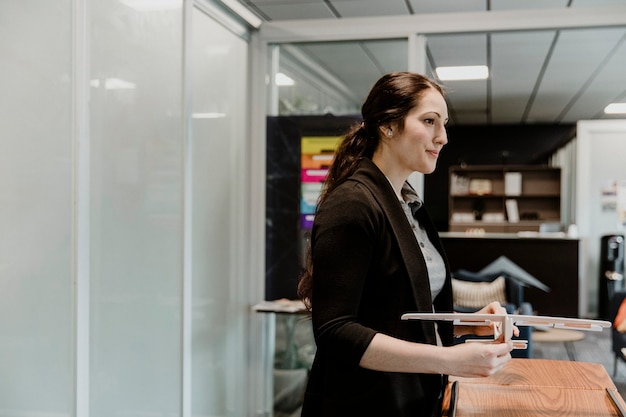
[123,279]
[601,150]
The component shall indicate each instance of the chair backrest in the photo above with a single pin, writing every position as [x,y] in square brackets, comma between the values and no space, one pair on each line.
[513,288]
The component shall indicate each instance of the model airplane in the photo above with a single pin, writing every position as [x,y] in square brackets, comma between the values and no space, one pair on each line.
[503,323]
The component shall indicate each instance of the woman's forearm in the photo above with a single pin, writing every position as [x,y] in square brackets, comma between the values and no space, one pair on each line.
[389,354]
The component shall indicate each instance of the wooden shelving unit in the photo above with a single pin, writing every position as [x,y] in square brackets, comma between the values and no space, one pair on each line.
[503,199]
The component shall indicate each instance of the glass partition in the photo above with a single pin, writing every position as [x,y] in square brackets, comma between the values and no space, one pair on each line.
[36,209]
[136,208]
[219,64]
[317,78]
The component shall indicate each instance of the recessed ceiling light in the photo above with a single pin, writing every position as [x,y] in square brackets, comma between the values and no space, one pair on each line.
[283,80]
[469,72]
[615,108]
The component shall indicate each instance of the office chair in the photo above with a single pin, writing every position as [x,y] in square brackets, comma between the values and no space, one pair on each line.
[618,339]
[509,291]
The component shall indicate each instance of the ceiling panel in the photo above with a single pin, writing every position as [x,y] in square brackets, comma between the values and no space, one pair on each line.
[527,4]
[596,3]
[449,50]
[577,55]
[392,55]
[512,84]
[361,8]
[301,10]
[447,6]
[342,58]
[532,79]
[608,86]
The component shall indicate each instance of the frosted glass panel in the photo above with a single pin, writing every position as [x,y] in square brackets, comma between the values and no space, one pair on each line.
[136,209]
[218,68]
[36,304]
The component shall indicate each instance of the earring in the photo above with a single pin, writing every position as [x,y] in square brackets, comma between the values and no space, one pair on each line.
[390,133]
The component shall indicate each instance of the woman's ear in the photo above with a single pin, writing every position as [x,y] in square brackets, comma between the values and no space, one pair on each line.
[386,130]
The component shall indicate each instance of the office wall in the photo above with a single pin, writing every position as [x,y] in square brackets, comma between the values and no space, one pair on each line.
[123,158]
[601,146]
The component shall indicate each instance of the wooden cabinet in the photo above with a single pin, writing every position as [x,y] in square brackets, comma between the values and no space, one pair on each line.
[504,198]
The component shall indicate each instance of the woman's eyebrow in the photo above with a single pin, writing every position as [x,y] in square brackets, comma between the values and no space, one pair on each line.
[437,113]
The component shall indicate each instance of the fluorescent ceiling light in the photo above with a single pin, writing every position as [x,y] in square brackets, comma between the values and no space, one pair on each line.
[243,12]
[615,108]
[282,80]
[152,5]
[210,115]
[470,72]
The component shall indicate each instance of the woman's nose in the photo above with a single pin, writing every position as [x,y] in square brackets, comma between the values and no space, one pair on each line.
[442,136]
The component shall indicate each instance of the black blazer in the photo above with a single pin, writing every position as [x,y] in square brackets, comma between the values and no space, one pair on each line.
[367,271]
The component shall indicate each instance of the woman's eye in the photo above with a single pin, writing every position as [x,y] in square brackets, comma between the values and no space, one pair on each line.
[430,121]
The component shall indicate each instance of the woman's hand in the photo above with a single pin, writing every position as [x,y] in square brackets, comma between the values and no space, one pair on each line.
[472,360]
[491,308]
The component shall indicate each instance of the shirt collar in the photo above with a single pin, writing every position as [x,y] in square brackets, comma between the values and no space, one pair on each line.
[411,198]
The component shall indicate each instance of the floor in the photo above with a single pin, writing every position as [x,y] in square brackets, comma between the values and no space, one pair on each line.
[595,348]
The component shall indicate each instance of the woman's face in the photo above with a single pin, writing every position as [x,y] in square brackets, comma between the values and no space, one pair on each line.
[417,147]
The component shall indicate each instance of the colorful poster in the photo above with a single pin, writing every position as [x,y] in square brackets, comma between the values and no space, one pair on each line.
[317,154]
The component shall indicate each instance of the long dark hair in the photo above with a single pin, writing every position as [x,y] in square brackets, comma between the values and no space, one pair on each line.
[390,100]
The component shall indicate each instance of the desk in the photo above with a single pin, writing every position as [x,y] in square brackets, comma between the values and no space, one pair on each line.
[537,387]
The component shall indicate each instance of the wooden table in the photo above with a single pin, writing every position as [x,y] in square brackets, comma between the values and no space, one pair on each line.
[537,387]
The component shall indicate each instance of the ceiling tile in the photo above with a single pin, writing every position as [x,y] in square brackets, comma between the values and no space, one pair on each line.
[608,85]
[468,49]
[361,8]
[527,4]
[391,55]
[296,10]
[597,3]
[575,58]
[447,6]
[511,82]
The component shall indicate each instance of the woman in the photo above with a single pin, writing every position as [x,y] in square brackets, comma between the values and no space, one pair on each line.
[374,255]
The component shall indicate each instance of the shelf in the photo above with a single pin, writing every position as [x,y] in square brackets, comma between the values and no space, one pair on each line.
[536,191]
